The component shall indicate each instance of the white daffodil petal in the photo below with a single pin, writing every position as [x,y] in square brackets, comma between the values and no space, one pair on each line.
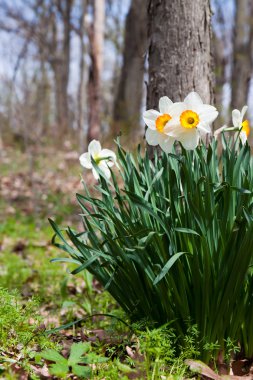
[150,117]
[107,153]
[244,110]
[85,160]
[167,144]
[174,126]
[205,108]
[236,118]
[204,128]
[190,139]
[175,130]
[152,137]
[243,137]
[207,114]
[110,163]
[193,99]
[176,109]
[164,104]
[104,168]
[94,148]
[95,173]
[110,157]
[209,117]
[170,129]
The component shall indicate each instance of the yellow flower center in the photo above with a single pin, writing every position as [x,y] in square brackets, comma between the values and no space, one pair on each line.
[246,127]
[161,121]
[189,119]
[96,158]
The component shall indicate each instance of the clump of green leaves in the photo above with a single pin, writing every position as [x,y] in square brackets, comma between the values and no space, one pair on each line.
[172,241]
[77,363]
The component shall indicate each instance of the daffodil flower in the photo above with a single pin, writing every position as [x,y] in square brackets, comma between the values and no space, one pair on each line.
[158,124]
[242,126]
[104,158]
[192,122]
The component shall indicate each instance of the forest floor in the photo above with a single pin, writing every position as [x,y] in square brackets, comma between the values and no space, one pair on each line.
[34,186]
[38,296]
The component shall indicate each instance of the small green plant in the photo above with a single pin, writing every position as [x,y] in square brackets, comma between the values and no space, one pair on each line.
[231,349]
[158,347]
[20,332]
[163,355]
[76,364]
[15,327]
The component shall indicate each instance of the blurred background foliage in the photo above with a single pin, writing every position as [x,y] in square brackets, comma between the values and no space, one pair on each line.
[78,68]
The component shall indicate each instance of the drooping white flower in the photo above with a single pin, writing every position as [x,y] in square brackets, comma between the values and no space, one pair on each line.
[157,123]
[243,126]
[104,158]
[192,121]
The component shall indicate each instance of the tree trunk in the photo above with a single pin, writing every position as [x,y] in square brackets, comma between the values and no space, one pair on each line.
[242,53]
[43,100]
[127,104]
[179,50]
[96,36]
[60,63]
[66,59]
[80,92]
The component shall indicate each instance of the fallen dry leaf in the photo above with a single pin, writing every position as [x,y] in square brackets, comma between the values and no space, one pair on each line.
[135,355]
[203,369]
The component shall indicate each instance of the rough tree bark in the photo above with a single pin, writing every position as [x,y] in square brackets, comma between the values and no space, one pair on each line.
[127,104]
[179,50]
[96,36]
[242,69]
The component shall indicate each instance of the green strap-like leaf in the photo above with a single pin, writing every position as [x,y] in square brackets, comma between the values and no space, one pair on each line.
[186,231]
[167,267]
